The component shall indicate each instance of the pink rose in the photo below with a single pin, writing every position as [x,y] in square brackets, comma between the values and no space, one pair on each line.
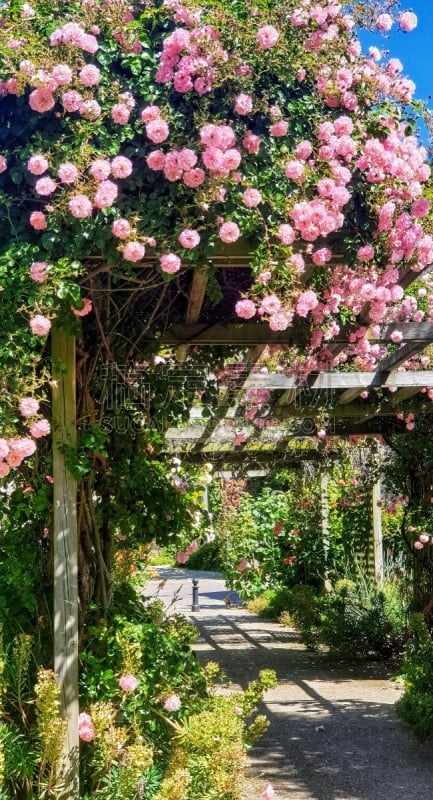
[41,100]
[29,406]
[133,251]
[40,428]
[279,128]
[252,198]
[120,113]
[267,37]
[128,683]
[243,104]
[38,220]
[157,131]
[37,165]
[170,263]
[86,731]
[68,173]
[121,228]
[39,271]
[172,703]
[82,312]
[100,169]
[45,186]
[40,325]
[89,75]
[229,232]
[80,206]
[189,238]
[245,309]
[121,167]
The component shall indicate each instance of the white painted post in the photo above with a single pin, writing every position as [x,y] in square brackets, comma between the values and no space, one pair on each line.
[377,532]
[65,554]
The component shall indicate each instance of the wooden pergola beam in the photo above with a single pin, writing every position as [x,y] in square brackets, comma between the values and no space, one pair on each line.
[238,334]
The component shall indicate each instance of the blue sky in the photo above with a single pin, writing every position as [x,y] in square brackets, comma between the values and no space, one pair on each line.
[415,50]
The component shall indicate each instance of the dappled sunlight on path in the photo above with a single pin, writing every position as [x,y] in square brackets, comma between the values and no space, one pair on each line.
[333,733]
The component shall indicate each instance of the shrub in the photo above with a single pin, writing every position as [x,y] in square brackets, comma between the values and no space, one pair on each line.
[272,603]
[416,704]
[353,621]
[207,557]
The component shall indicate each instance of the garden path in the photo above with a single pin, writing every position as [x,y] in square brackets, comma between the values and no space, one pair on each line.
[333,733]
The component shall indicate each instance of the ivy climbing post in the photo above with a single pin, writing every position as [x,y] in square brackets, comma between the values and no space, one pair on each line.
[65,540]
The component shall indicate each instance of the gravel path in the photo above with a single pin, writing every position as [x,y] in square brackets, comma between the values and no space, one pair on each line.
[333,733]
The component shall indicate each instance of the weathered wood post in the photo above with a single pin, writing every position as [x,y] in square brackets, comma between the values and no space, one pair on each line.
[65,547]
[377,532]
[324,508]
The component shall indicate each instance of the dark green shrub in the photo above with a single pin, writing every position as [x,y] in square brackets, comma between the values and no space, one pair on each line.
[416,704]
[271,604]
[207,557]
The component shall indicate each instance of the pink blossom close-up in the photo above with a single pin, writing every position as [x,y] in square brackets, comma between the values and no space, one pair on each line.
[105,195]
[100,169]
[37,164]
[251,198]
[189,238]
[29,406]
[121,167]
[38,220]
[40,428]
[229,232]
[120,113]
[89,75]
[268,793]
[243,104]
[39,271]
[86,730]
[80,206]
[245,309]
[121,228]
[170,263]
[133,251]
[408,21]
[41,100]
[45,186]
[267,37]
[157,131]
[86,309]
[67,172]
[172,703]
[40,325]
[128,683]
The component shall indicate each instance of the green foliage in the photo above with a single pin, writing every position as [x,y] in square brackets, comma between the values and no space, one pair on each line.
[353,621]
[207,557]
[208,756]
[272,603]
[416,704]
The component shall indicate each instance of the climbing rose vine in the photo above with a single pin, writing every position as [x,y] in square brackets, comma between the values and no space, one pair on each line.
[172,131]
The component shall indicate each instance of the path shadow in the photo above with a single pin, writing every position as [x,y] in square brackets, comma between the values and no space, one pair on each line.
[333,732]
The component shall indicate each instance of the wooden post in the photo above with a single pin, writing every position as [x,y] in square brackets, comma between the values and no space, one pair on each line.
[65,554]
[377,532]
[324,481]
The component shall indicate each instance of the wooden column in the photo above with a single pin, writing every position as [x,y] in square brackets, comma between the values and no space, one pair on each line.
[377,532]
[324,481]
[65,553]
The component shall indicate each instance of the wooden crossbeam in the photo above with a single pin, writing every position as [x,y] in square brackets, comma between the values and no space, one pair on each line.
[195,302]
[342,380]
[237,333]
